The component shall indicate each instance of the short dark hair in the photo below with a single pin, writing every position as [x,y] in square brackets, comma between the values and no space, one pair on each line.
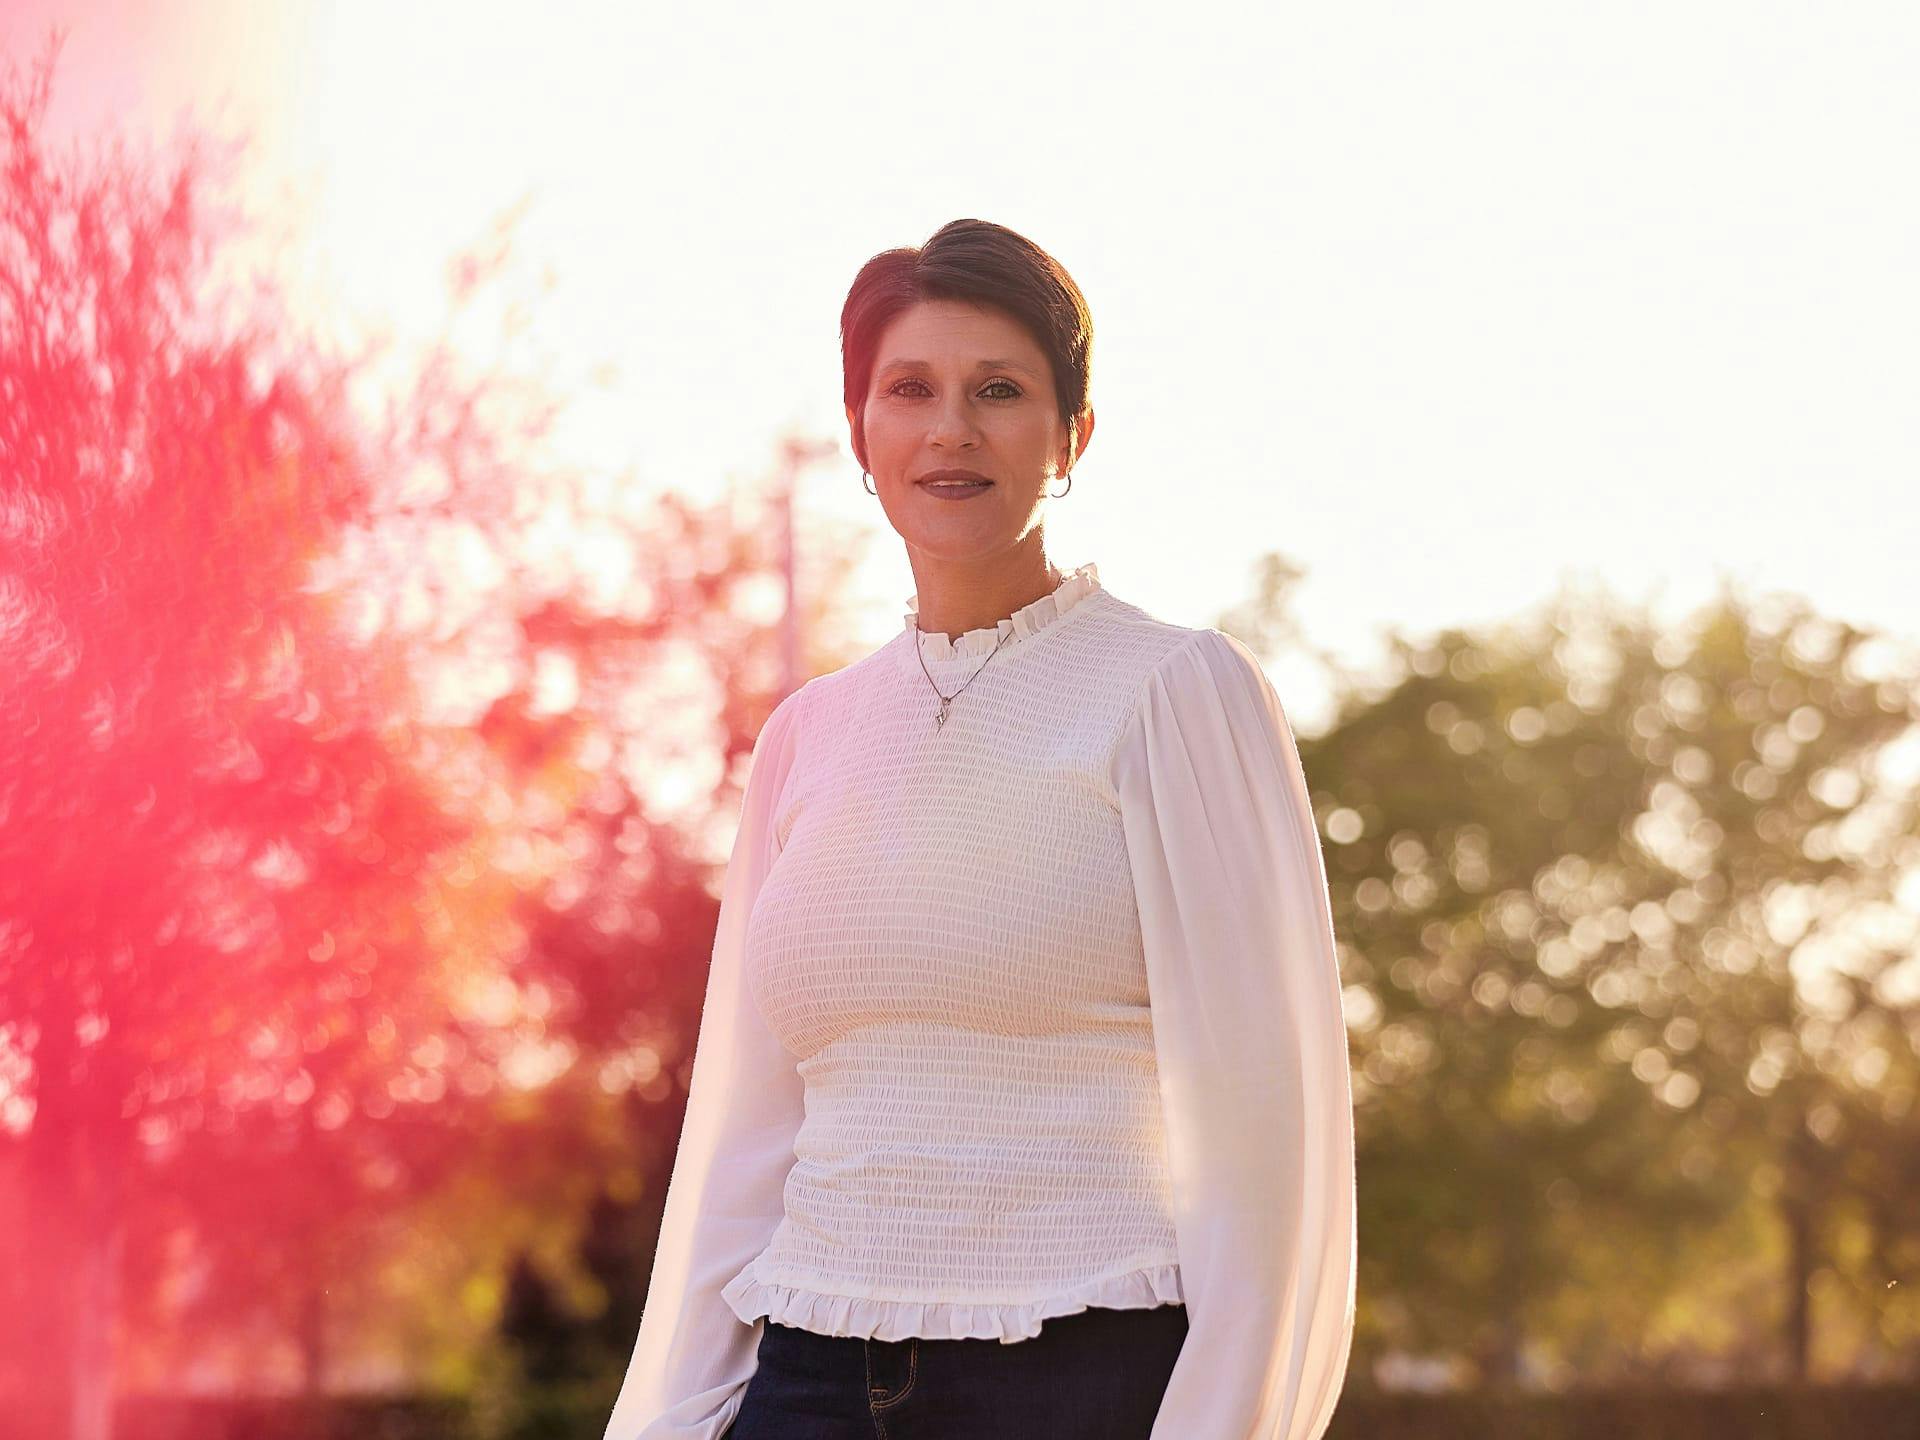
[984,264]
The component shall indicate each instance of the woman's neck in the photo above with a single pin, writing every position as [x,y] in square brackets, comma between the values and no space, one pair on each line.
[954,599]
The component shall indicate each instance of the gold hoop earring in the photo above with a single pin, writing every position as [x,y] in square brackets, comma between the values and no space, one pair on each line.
[864,477]
[1063,492]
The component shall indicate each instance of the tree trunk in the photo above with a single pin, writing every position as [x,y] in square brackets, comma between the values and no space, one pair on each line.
[103,1157]
[44,1336]
[313,1282]
[1509,1289]
[98,1286]
[1798,1214]
[76,1160]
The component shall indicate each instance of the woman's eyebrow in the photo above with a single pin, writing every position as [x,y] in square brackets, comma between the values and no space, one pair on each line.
[892,365]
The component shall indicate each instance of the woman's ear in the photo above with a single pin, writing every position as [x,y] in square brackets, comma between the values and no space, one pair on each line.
[1077,437]
[853,432]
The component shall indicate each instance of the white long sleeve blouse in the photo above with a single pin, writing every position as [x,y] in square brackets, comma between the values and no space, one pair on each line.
[1032,1011]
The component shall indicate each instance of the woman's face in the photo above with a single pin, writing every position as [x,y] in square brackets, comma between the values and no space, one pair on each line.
[959,387]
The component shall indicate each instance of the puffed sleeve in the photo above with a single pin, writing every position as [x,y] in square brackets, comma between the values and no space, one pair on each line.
[693,1357]
[1251,1044]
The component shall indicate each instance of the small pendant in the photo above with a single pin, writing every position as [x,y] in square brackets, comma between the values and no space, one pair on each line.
[940,717]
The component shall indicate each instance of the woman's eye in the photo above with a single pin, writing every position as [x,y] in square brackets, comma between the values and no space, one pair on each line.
[894,389]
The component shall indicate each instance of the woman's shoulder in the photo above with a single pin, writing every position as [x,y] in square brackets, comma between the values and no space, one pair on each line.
[1138,647]
[1127,641]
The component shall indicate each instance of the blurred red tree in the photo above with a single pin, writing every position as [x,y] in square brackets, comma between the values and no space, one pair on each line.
[261,877]
[210,848]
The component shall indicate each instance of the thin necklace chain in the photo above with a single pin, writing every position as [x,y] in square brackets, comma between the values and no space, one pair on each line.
[940,716]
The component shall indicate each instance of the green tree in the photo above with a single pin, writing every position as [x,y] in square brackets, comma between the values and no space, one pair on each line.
[1592,879]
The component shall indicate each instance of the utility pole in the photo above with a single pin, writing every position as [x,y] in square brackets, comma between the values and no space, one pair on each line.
[796,455]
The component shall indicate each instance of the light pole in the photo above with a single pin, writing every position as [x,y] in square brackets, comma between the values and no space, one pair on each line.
[795,454]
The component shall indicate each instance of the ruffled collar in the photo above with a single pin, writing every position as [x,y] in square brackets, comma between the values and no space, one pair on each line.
[1027,620]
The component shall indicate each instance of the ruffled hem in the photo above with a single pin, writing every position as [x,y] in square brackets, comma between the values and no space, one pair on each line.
[852,1315]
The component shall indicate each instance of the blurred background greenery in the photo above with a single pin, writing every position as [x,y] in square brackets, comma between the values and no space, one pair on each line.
[356,893]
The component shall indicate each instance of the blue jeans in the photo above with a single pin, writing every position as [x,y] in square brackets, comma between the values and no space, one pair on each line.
[1094,1375]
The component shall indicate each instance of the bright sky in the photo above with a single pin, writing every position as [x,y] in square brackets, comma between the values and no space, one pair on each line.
[1443,302]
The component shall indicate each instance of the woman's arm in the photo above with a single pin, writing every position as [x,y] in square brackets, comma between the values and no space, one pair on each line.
[1251,1045]
[693,1356]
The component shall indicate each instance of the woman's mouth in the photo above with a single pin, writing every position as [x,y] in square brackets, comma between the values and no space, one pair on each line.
[956,483]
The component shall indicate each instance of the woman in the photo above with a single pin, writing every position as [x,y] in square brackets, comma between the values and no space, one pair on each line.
[1020,1103]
